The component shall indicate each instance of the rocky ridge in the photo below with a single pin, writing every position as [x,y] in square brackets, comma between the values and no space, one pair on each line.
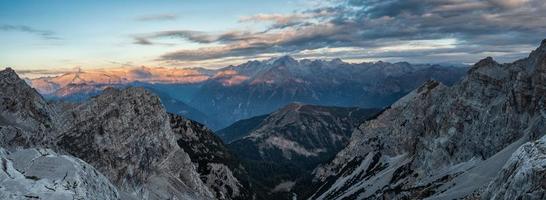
[219,169]
[443,142]
[125,135]
[26,119]
[523,176]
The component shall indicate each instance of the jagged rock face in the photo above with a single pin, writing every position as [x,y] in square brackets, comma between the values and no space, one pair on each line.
[443,142]
[44,174]
[126,135]
[523,176]
[217,167]
[289,143]
[25,118]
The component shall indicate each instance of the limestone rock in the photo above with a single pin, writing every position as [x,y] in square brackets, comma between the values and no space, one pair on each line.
[26,119]
[523,176]
[44,174]
[126,135]
[219,169]
[443,142]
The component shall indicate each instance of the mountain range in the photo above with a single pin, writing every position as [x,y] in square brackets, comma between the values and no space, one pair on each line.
[475,139]
[232,93]
[476,133]
[136,149]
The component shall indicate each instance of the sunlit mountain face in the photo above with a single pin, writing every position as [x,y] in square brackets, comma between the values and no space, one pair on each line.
[273,100]
[223,96]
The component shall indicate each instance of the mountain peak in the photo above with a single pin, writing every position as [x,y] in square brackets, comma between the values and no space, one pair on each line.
[9,73]
[486,62]
[285,60]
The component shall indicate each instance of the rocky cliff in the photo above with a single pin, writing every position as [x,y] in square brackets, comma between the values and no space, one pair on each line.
[219,169]
[125,135]
[443,142]
[26,119]
[523,176]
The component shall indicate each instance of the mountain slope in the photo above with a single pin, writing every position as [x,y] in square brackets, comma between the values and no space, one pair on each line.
[290,142]
[523,174]
[126,135]
[26,119]
[443,142]
[43,174]
[240,128]
[218,168]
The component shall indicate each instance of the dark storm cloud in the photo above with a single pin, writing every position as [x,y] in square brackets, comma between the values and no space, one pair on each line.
[48,35]
[504,27]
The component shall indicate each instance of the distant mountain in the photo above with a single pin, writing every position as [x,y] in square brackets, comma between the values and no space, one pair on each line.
[81,92]
[256,88]
[116,76]
[287,144]
[458,142]
[178,107]
[240,128]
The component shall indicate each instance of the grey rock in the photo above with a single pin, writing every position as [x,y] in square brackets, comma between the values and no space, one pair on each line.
[523,176]
[126,135]
[26,119]
[443,142]
[218,168]
[44,174]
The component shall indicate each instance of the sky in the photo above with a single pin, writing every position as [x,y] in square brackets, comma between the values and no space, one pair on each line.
[63,34]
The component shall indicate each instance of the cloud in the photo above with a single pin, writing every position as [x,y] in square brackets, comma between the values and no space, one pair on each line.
[142,41]
[47,35]
[159,17]
[379,29]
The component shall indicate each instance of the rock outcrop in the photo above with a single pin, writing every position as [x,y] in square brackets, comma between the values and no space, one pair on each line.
[443,142]
[26,119]
[219,169]
[43,174]
[523,176]
[126,135]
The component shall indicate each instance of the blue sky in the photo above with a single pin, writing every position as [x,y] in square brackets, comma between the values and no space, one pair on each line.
[97,33]
[55,34]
